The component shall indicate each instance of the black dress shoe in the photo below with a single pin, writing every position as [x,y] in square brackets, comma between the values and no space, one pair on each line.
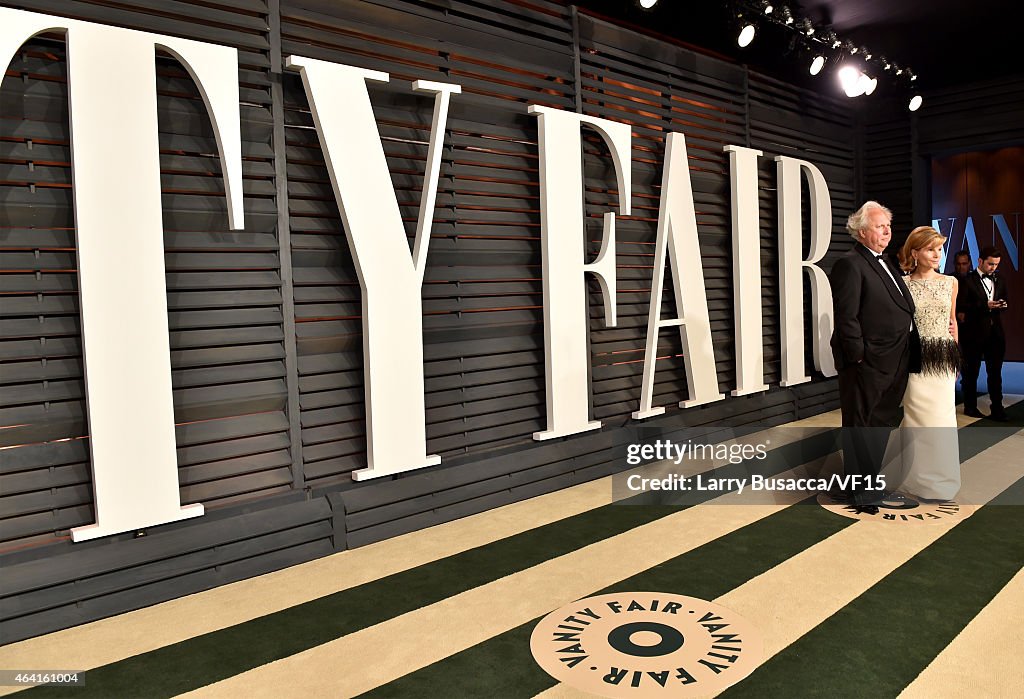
[892,496]
[999,417]
[865,509]
[973,412]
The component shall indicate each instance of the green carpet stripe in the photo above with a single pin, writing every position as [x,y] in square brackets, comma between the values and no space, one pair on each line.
[503,665]
[215,656]
[880,642]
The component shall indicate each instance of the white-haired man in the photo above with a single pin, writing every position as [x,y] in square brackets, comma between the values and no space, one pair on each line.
[875,347]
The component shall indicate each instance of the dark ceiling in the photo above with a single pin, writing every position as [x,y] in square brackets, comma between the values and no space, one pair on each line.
[946,42]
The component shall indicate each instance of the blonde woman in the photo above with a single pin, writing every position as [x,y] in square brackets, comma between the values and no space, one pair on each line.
[931,452]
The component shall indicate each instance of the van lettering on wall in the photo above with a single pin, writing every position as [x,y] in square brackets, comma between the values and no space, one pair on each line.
[112,81]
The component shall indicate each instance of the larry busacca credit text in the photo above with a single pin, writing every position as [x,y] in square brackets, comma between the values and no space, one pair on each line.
[667,451]
[756,482]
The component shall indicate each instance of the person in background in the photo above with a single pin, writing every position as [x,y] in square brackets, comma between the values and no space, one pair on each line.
[981,302]
[961,265]
[961,268]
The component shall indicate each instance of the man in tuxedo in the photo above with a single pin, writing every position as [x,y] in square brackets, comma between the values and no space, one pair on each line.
[961,268]
[874,343]
[980,305]
[961,265]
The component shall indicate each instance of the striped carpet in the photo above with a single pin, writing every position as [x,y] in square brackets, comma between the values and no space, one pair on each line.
[846,608]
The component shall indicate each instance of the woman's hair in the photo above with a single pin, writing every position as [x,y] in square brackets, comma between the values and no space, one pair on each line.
[921,238]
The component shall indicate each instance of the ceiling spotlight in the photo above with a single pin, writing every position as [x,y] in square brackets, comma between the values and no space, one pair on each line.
[850,79]
[746,36]
[886,65]
[913,76]
[817,64]
[864,85]
[915,103]
[899,71]
[768,9]
[867,55]
[648,4]
[854,50]
[836,43]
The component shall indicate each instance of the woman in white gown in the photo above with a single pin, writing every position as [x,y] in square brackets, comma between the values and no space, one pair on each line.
[931,451]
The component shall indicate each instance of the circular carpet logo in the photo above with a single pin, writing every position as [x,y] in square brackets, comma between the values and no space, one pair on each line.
[906,509]
[646,644]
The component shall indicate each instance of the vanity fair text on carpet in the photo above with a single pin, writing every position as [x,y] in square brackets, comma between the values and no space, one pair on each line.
[113,116]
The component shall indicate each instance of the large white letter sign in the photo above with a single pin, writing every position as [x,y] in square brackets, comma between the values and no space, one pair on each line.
[677,231]
[566,334]
[112,91]
[790,263]
[746,270]
[119,223]
[389,276]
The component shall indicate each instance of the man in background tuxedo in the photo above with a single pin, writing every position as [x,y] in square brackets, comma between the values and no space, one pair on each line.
[873,343]
[961,265]
[979,306]
[961,268]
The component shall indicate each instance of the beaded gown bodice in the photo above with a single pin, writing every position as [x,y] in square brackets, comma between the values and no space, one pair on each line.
[933,299]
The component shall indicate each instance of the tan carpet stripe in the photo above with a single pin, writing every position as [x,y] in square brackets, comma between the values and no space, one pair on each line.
[109,640]
[985,658]
[794,597]
[397,646]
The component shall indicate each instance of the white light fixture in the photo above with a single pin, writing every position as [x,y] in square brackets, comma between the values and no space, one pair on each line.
[915,103]
[817,64]
[746,36]
[768,9]
[648,4]
[849,78]
[863,85]
[872,84]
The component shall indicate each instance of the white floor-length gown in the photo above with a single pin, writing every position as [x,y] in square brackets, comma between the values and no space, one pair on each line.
[931,450]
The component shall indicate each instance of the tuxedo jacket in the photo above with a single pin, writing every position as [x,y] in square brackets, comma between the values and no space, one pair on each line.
[980,322]
[873,316]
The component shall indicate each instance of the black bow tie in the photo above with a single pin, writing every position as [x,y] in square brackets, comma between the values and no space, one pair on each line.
[987,276]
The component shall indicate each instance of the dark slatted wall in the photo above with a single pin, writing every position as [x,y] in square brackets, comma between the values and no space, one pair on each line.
[975,117]
[224,289]
[226,333]
[888,164]
[270,424]
[801,124]
[482,292]
[657,89]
